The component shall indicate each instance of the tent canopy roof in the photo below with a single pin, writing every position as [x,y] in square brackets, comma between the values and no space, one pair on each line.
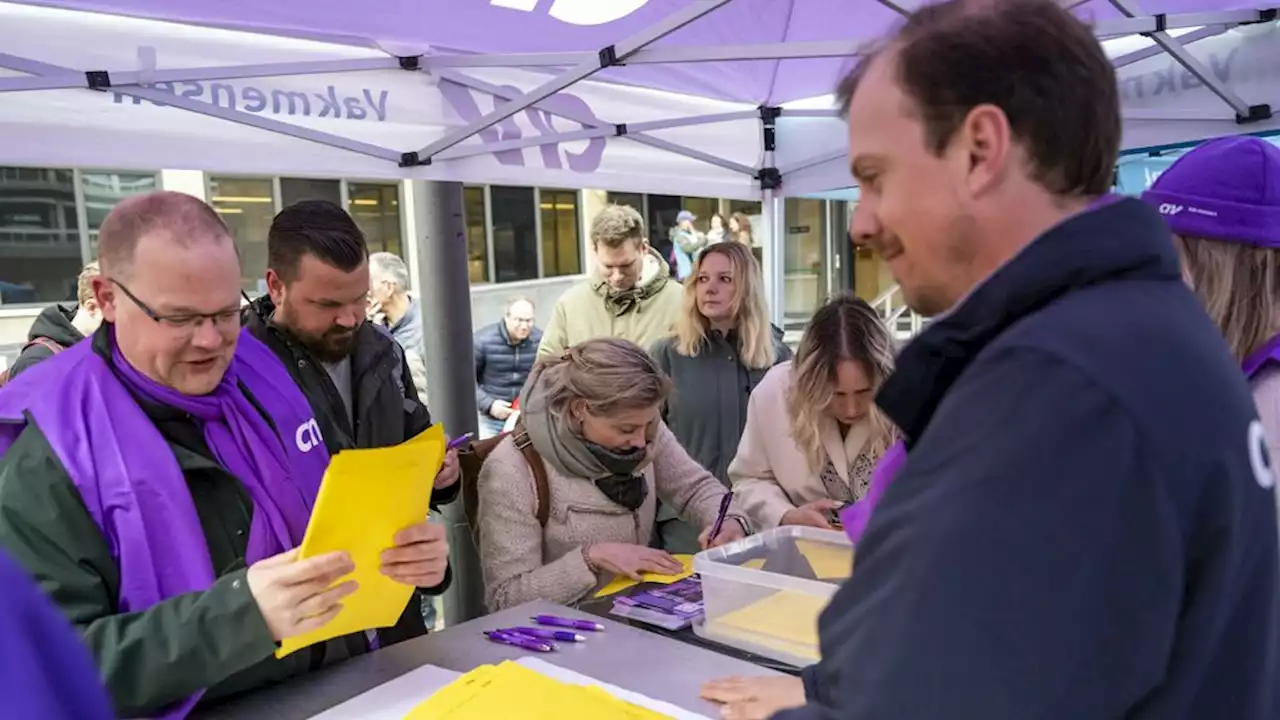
[567,27]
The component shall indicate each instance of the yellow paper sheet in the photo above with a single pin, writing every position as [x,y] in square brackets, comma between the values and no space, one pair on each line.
[754,564]
[510,690]
[366,497]
[786,620]
[829,562]
[622,582]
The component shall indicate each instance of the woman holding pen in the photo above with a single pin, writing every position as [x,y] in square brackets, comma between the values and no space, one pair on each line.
[721,349]
[593,416]
[813,434]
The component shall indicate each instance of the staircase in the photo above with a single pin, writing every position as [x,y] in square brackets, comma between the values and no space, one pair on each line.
[904,323]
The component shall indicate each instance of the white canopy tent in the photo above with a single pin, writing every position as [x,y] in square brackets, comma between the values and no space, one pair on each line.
[692,97]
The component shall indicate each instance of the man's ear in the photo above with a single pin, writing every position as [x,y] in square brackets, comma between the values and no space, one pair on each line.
[275,287]
[104,294]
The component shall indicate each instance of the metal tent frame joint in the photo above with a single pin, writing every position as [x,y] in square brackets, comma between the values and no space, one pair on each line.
[413,159]
[98,80]
[1162,24]
[1264,16]
[410,62]
[608,56]
[770,113]
[770,178]
[1257,113]
[620,130]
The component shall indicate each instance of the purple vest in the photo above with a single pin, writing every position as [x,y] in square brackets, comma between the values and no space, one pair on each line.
[131,482]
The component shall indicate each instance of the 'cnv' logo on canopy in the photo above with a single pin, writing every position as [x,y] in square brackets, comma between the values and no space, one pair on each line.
[578,12]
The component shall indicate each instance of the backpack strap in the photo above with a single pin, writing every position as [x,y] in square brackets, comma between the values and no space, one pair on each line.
[540,485]
[45,343]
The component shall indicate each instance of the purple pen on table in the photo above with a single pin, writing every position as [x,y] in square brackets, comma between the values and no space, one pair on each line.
[545,634]
[568,623]
[520,641]
[720,516]
[458,442]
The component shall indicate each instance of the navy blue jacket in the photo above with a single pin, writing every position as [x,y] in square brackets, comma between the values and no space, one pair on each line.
[501,368]
[1085,526]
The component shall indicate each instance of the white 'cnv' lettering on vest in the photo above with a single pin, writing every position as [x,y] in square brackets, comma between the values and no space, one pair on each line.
[1259,458]
[308,435]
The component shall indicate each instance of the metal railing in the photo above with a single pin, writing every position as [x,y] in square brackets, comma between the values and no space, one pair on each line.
[903,322]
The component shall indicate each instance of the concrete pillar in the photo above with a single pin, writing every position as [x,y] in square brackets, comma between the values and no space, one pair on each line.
[444,295]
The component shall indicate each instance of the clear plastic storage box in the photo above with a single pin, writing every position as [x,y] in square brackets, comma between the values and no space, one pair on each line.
[763,594]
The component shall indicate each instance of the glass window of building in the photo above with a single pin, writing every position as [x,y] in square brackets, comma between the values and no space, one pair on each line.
[376,209]
[101,193]
[39,235]
[247,206]
[703,208]
[515,234]
[477,245]
[294,190]
[561,246]
[635,200]
[805,259]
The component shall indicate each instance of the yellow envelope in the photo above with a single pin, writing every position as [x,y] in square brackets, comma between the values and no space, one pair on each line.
[754,564]
[366,497]
[829,561]
[786,620]
[622,582]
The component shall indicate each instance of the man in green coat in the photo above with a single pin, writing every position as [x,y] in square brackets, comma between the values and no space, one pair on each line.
[157,479]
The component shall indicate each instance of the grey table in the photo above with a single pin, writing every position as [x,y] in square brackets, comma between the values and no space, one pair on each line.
[662,668]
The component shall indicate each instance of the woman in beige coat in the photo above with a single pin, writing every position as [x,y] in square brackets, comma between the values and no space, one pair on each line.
[593,415]
[813,433]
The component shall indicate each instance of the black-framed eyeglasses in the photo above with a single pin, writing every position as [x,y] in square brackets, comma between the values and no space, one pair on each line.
[224,320]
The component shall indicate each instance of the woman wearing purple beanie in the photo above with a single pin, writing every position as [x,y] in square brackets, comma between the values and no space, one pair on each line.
[1222,201]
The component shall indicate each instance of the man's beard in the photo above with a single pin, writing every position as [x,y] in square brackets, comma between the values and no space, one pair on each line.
[334,345]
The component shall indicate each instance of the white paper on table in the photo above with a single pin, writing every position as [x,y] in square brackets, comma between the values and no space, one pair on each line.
[393,700]
[575,678]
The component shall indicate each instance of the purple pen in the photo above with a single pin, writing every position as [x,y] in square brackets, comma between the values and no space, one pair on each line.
[458,442]
[520,641]
[720,516]
[544,634]
[568,623]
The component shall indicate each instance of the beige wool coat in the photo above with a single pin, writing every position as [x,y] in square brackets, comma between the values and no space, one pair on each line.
[522,561]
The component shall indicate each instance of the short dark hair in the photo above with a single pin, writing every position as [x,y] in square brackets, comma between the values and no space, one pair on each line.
[314,227]
[184,219]
[1032,59]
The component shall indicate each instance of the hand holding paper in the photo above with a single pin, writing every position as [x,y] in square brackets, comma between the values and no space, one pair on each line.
[366,499]
[298,596]
[420,557]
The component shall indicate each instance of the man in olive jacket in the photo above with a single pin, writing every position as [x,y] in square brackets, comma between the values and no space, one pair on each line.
[353,372]
[157,479]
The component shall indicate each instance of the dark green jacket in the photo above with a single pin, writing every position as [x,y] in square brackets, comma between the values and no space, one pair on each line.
[216,639]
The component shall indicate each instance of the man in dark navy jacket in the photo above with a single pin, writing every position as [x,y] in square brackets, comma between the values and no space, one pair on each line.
[1084,528]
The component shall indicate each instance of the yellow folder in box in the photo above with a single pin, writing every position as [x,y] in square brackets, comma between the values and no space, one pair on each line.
[366,497]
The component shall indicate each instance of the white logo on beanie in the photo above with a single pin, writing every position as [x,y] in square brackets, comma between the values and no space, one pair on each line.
[1170,209]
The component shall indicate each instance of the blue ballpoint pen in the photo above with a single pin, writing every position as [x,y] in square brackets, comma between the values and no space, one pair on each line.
[568,623]
[520,641]
[545,634]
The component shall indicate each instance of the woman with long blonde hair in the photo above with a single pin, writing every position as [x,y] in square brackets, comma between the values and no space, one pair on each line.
[567,501]
[813,434]
[1222,201]
[722,347]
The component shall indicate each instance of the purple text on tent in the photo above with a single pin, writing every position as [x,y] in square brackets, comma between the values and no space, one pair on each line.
[463,102]
[246,98]
[1173,78]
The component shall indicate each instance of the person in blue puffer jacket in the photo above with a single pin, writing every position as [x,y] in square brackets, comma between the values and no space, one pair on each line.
[504,353]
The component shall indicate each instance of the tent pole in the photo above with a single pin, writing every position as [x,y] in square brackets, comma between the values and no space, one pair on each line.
[774,260]
[444,297]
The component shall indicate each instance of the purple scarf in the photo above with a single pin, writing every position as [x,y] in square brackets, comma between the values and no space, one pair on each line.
[1260,358]
[855,517]
[130,480]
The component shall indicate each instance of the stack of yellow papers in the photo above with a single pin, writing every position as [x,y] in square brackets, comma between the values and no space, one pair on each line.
[366,497]
[622,582]
[510,690]
[829,561]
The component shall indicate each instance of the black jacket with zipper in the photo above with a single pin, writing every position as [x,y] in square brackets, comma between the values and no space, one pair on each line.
[53,323]
[386,406]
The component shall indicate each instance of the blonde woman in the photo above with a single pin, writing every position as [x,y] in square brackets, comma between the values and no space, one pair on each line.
[1222,201]
[593,415]
[722,348]
[813,433]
